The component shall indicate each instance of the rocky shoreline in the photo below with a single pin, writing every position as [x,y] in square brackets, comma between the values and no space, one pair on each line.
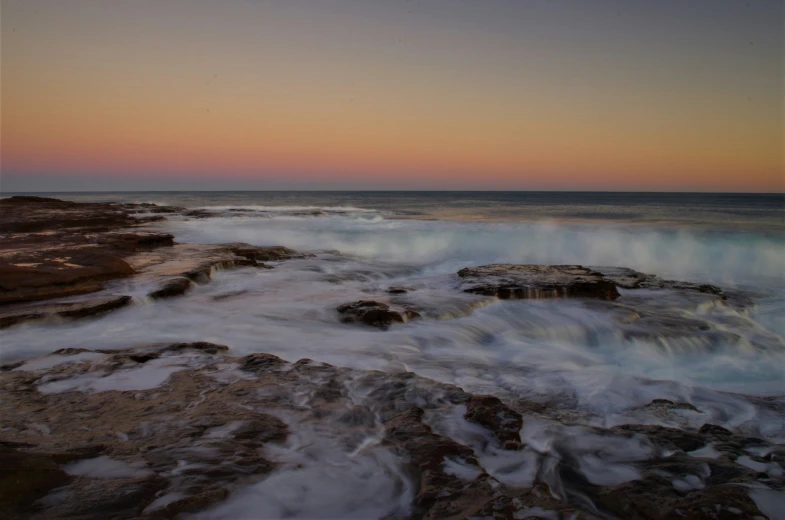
[170,429]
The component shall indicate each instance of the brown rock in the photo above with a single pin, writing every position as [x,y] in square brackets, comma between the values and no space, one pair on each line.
[24,478]
[655,498]
[374,313]
[83,271]
[262,254]
[714,430]
[426,450]
[103,498]
[136,241]
[489,412]
[514,282]
[193,504]
[261,362]
[666,404]
[53,248]
[173,287]
[17,314]
[668,438]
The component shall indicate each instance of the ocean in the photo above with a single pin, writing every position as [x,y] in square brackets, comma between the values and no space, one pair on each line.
[564,353]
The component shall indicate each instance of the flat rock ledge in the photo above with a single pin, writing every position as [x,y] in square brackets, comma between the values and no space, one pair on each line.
[517,282]
[71,310]
[95,434]
[196,267]
[53,253]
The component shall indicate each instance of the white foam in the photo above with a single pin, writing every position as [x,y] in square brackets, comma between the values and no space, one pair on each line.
[770,502]
[149,375]
[461,469]
[288,209]
[688,483]
[321,478]
[163,501]
[706,452]
[747,462]
[54,360]
[535,512]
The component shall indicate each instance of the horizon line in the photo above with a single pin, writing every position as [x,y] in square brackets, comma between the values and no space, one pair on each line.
[685,192]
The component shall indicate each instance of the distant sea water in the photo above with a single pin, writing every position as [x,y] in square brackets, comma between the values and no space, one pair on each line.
[712,210]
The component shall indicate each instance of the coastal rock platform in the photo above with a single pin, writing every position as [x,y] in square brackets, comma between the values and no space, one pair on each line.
[156,431]
[179,428]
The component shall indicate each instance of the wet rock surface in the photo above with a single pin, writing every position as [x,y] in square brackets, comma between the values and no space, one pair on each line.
[91,306]
[516,282]
[52,249]
[488,411]
[167,429]
[678,316]
[375,314]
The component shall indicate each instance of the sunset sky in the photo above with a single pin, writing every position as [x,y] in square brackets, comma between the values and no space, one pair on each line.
[392,94]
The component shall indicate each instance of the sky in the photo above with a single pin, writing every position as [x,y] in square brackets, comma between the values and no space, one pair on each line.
[650,95]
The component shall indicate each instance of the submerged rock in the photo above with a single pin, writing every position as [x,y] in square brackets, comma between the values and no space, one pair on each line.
[25,478]
[375,314]
[71,309]
[490,412]
[515,282]
[173,287]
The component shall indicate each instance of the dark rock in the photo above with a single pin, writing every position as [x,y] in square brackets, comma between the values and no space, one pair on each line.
[201,274]
[374,313]
[358,416]
[443,496]
[261,363]
[655,498]
[264,429]
[714,430]
[143,358]
[82,271]
[262,254]
[136,241]
[193,503]
[17,314]
[397,290]
[425,449]
[198,213]
[666,404]
[668,438]
[55,248]
[201,346]
[24,478]
[627,278]
[173,287]
[719,502]
[26,214]
[489,412]
[512,282]
[70,351]
[104,498]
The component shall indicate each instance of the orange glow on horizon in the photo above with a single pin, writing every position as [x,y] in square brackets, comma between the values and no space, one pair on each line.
[128,110]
